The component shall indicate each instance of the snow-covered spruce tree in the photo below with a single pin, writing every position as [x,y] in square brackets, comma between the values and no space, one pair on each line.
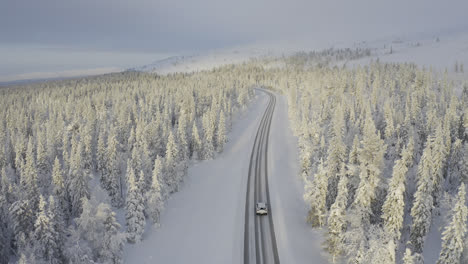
[45,236]
[439,157]
[5,230]
[59,189]
[394,205]
[389,125]
[172,155]
[136,160]
[23,211]
[101,155]
[454,166]
[100,238]
[371,161]
[134,209]
[43,163]
[337,220]
[421,211]
[315,195]
[110,245]
[77,250]
[454,234]
[87,159]
[208,135]
[463,164]
[111,179]
[352,170]
[78,187]
[336,155]
[381,247]
[221,132]
[56,216]
[22,222]
[306,160]
[153,196]
[182,136]
[28,181]
[196,143]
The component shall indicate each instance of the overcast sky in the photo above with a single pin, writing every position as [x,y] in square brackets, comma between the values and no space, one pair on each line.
[53,35]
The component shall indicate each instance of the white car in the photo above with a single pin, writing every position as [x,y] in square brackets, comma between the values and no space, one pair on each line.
[261,209]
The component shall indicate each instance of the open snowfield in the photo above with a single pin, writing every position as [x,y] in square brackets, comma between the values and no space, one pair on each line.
[439,52]
[204,221]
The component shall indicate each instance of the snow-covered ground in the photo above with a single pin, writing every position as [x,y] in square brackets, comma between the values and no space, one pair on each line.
[297,241]
[206,60]
[204,221]
[437,51]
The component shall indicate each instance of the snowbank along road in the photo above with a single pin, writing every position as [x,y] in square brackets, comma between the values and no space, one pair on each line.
[259,234]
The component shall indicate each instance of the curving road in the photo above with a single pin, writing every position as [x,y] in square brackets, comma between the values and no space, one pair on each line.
[259,234]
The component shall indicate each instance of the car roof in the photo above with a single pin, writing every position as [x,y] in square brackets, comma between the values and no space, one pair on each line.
[261,204]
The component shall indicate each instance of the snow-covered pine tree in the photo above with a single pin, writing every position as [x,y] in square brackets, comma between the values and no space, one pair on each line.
[337,219]
[55,213]
[381,247]
[5,230]
[135,159]
[354,153]
[134,209]
[336,155]
[316,195]
[439,157]
[112,240]
[208,135]
[352,170]
[22,222]
[389,126]
[131,140]
[59,189]
[182,136]
[101,155]
[423,201]
[81,239]
[87,154]
[43,164]
[454,234]
[45,243]
[221,132]
[112,181]
[28,181]
[172,154]
[153,196]
[394,205]
[196,142]
[370,157]
[463,164]
[78,187]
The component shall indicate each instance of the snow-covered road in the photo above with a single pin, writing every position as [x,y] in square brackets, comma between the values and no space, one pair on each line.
[204,221]
[259,237]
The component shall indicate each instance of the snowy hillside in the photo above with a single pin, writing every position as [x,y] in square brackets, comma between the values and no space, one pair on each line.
[205,61]
[439,51]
